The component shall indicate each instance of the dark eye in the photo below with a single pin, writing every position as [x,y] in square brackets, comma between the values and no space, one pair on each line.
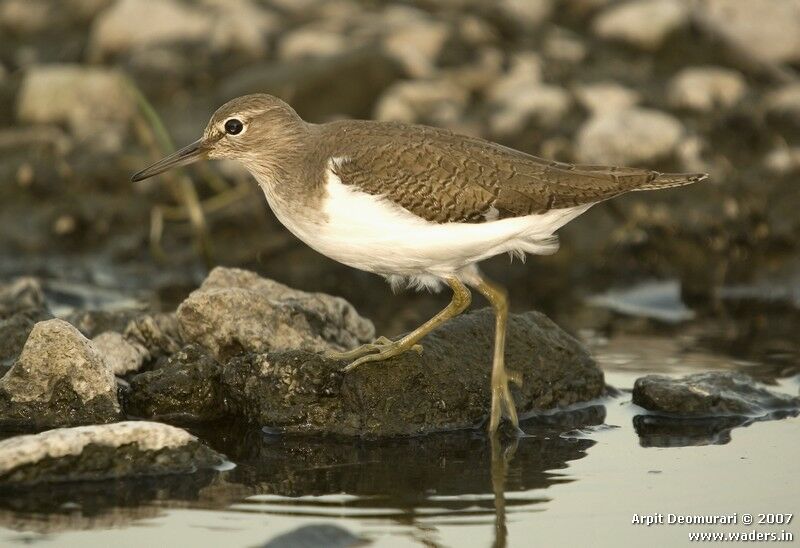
[233,126]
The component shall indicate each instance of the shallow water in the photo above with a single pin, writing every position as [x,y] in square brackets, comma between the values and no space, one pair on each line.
[578,477]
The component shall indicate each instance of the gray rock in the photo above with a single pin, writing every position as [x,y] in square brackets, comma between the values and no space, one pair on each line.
[767,29]
[96,321]
[414,39]
[634,136]
[783,160]
[784,102]
[711,394]
[14,331]
[59,379]
[706,88]
[121,355]
[311,41]
[529,13]
[94,102]
[642,23]
[186,388]
[97,452]
[444,388]
[236,310]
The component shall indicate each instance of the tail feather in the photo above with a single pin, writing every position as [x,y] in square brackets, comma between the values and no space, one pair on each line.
[669,180]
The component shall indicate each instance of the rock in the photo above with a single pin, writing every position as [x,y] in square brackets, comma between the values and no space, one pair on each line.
[308,536]
[158,334]
[94,102]
[784,102]
[544,104]
[643,24]
[444,388]
[767,29]
[14,331]
[604,97]
[711,394]
[241,26]
[59,379]
[94,322]
[187,387]
[520,96]
[20,295]
[138,24]
[783,161]
[436,102]
[563,46]
[23,17]
[529,13]
[121,355]
[236,310]
[706,88]
[634,136]
[414,39]
[110,451]
[350,82]
[311,41]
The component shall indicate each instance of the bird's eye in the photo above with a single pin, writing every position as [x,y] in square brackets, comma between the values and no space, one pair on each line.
[234,126]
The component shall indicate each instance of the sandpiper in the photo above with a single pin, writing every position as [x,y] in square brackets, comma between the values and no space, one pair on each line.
[418,205]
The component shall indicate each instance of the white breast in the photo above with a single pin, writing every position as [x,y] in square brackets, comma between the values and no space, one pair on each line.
[373,234]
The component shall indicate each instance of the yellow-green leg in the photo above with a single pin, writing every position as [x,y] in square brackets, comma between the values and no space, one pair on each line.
[384,348]
[502,400]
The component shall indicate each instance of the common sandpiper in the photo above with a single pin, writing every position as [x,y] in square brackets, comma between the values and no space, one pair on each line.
[421,206]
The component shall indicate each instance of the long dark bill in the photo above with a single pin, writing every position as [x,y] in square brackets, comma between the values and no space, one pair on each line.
[184,156]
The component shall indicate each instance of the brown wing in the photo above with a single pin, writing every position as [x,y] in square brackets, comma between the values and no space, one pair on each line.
[444,177]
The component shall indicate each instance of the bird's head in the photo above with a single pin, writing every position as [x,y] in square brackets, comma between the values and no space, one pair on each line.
[251,129]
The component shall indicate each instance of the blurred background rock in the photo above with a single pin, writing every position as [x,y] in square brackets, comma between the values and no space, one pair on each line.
[675,85]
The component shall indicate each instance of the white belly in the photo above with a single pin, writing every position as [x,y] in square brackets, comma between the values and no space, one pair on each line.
[373,234]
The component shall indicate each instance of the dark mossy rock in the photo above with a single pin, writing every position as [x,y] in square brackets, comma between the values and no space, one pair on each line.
[444,388]
[185,388]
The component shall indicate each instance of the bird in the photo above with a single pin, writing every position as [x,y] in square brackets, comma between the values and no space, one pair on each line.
[419,205]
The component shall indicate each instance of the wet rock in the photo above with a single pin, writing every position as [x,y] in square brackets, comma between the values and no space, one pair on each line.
[331,536]
[159,334]
[121,355]
[236,310]
[641,23]
[604,97]
[185,388]
[634,136]
[435,102]
[94,102]
[767,29]
[444,388]
[59,379]
[708,394]
[96,452]
[706,88]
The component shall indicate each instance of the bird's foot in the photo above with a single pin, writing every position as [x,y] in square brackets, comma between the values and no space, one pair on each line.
[502,400]
[381,349]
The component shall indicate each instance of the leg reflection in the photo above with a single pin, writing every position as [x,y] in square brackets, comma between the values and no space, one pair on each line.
[503,450]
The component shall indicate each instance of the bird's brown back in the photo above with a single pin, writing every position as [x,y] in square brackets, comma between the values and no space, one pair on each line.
[445,177]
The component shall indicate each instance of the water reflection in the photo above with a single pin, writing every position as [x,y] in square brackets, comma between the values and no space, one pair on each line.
[420,483]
